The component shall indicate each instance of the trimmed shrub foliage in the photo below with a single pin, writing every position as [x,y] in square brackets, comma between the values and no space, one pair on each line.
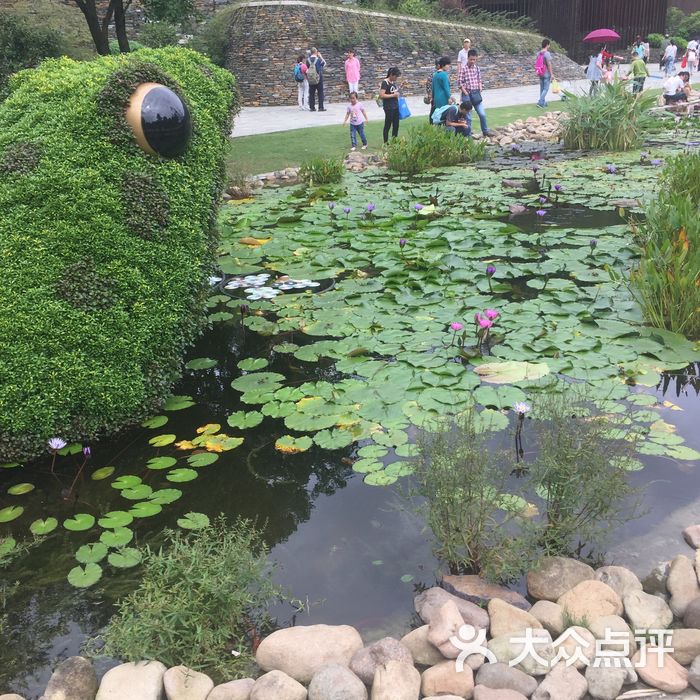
[105,248]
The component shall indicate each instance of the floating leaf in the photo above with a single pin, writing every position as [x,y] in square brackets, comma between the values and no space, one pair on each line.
[43,527]
[380,478]
[125,558]
[406,578]
[683,452]
[209,429]
[85,576]
[20,489]
[9,465]
[165,496]
[102,473]
[181,475]
[399,469]
[285,347]
[145,509]
[73,449]
[7,544]
[177,403]
[162,440]
[114,519]
[155,422]
[91,553]
[291,445]
[193,521]
[79,522]
[258,381]
[333,439]
[117,537]
[137,493]
[245,419]
[251,364]
[161,462]
[511,371]
[377,562]
[202,459]
[126,481]
[369,464]
[201,363]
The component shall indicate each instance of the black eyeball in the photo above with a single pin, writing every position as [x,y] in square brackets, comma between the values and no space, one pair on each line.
[160,120]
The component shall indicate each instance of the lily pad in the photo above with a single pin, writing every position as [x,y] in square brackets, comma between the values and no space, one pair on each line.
[155,422]
[43,527]
[202,459]
[85,576]
[125,558]
[333,439]
[102,473]
[126,481]
[7,544]
[245,419]
[145,509]
[258,381]
[178,403]
[79,522]
[20,489]
[118,537]
[137,493]
[201,363]
[161,462]
[380,478]
[181,475]
[114,519]
[292,445]
[193,521]
[165,496]
[251,364]
[162,440]
[511,371]
[91,553]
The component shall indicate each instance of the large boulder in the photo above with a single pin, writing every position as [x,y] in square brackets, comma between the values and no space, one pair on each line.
[655,582]
[645,611]
[73,679]
[133,681]
[682,584]
[431,600]
[422,651]
[620,579]
[365,661]
[277,685]
[445,679]
[233,690]
[478,590]
[182,683]
[692,536]
[501,676]
[562,683]
[301,651]
[336,682]
[507,619]
[396,681]
[659,670]
[14,696]
[590,599]
[693,674]
[691,617]
[554,576]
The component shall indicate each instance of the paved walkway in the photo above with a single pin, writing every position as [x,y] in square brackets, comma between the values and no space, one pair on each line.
[265,120]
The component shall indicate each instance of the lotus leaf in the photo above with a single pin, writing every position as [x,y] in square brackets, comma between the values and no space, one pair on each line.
[380,478]
[161,462]
[20,489]
[258,382]
[193,521]
[165,496]
[202,459]
[118,537]
[126,481]
[178,403]
[333,439]
[155,422]
[102,473]
[145,509]
[366,465]
[251,364]
[201,363]
[85,576]
[291,445]
[91,553]
[125,558]
[162,440]
[114,519]
[181,475]
[306,422]
[137,493]
[509,372]
[43,527]
[79,522]
[245,419]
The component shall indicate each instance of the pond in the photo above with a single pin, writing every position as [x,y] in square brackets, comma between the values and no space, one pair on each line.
[332,383]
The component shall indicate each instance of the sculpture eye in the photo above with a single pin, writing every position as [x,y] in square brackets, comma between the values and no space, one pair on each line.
[160,120]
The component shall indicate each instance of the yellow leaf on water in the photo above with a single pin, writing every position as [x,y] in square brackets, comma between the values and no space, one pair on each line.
[185,445]
[209,429]
[672,406]
[213,447]
[253,242]
[661,426]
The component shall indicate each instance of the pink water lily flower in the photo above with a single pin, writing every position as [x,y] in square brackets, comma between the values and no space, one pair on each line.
[456,326]
[484,322]
[491,314]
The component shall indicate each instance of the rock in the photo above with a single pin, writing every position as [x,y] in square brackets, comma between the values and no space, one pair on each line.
[479,590]
[430,601]
[443,697]
[301,651]
[501,676]
[682,584]
[365,661]
[445,679]
[507,619]
[515,184]
[423,652]
[605,683]
[396,681]
[554,576]
[617,625]
[182,683]
[646,611]
[577,644]
[277,685]
[14,696]
[692,536]
[73,679]
[517,209]
[590,599]
[693,674]
[562,683]
[621,580]
[444,625]
[655,582]
[661,671]
[144,681]
[507,649]
[549,615]
[233,690]
[481,692]
[686,645]
[336,682]
[691,618]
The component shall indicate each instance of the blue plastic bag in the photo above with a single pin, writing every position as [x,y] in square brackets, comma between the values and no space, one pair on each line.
[404,111]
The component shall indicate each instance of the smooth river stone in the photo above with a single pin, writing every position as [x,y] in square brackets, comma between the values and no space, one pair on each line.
[552,577]
[590,599]
[133,681]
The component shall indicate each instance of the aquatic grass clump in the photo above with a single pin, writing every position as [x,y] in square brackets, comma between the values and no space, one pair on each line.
[322,171]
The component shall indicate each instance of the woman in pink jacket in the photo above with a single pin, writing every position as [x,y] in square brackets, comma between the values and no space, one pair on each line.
[352,71]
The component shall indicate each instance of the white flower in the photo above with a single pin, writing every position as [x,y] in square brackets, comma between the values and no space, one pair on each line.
[521,407]
[56,443]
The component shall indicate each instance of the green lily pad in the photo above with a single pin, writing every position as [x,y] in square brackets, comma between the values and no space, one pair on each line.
[91,553]
[333,439]
[161,462]
[9,465]
[286,348]
[7,544]
[181,475]
[20,489]
[291,445]
[373,451]
[102,473]
[380,478]
[115,519]
[155,422]
[400,469]
[85,576]
[201,363]
[125,558]
[245,419]
[43,527]
[193,521]
[366,465]
[145,509]
[251,364]
[407,578]
[202,459]
[511,371]
[162,440]
[178,403]
[118,537]
[79,522]
[258,382]
[683,452]
[137,493]
[165,496]
[126,481]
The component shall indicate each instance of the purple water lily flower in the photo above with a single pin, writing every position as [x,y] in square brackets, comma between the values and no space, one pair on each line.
[87,451]
[490,270]
[612,169]
[370,208]
[418,207]
[541,212]
[558,188]
[346,210]
[655,161]
[331,205]
[244,309]
[543,200]
[535,168]
[402,242]
[56,443]
[593,243]
[521,408]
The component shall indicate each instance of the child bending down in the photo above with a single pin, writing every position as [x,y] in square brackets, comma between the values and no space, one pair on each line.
[358,118]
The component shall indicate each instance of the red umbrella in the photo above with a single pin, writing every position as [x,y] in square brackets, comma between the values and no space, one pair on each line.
[602,35]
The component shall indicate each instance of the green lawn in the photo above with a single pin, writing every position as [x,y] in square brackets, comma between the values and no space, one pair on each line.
[266,152]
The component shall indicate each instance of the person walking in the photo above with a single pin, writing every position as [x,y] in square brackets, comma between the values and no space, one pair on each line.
[669,59]
[471,85]
[314,76]
[441,84]
[543,68]
[692,56]
[389,94]
[664,45]
[594,72]
[638,72]
[355,112]
[300,71]
[462,55]
[352,72]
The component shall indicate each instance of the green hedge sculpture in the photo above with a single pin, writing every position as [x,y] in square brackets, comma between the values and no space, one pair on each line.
[104,249]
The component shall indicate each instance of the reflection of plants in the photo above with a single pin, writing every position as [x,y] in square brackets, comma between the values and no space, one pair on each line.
[202,597]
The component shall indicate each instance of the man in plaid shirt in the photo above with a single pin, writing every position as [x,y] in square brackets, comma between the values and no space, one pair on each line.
[471,86]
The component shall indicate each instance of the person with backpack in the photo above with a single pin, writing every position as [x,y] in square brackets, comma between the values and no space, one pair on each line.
[543,68]
[314,76]
[299,72]
[454,118]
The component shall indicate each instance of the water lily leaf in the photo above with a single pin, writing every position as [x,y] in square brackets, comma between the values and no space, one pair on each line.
[377,562]
[202,459]
[499,396]
[373,451]
[201,363]
[102,473]
[258,382]
[79,522]
[380,478]
[286,347]
[306,422]
[145,509]
[7,544]
[251,364]
[209,429]
[125,558]
[126,481]
[85,576]
[165,496]
[333,439]
[400,469]
[9,465]
[114,519]
[118,537]
[193,521]
[20,489]
[155,422]
[512,371]
[181,475]
[245,419]
[43,527]
[137,493]
[91,553]
[73,449]
[278,410]
[683,452]
[407,450]
[178,403]
[290,445]
[407,578]
[161,462]
[366,465]
[162,440]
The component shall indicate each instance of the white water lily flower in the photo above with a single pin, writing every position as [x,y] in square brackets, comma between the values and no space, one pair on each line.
[521,407]
[214,280]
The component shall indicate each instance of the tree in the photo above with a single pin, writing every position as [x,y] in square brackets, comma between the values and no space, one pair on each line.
[674,18]
[99,28]
[173,11]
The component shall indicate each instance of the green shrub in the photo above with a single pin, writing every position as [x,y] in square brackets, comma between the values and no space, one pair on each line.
[133,45]
[158,35]
[674,19]
[200,597]
[322,171]
[655,40]
[82,364]
[172,11]
[212,36]
[415,8]
[681,43]
[690,26]
[611,120]
[428,147]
